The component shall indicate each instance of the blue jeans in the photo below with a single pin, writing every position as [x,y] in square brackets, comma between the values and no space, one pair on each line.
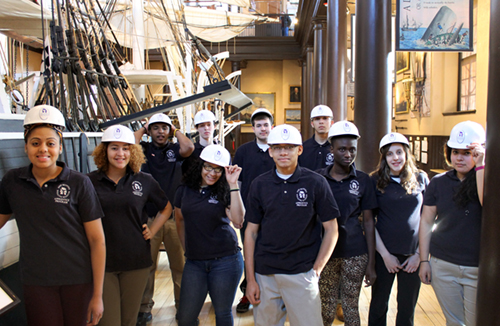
[219,278]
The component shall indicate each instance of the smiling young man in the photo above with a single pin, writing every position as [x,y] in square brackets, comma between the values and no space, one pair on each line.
[253,157]
[163,160]
[316,153]
[285,251]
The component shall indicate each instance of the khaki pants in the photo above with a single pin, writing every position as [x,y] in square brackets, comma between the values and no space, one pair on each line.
[168,235]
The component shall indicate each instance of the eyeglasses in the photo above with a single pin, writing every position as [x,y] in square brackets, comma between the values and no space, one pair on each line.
[286,148]
[209,168]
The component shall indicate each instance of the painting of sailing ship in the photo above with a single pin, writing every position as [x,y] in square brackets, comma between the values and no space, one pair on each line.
[428,26]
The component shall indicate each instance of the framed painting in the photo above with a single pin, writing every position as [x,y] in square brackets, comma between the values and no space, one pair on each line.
[402,104]
[402,62]
[292,115]
[294,94]
[434,25]
[260,100]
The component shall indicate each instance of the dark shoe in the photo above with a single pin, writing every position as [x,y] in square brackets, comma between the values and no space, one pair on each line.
[340,312]
[243,305]
[143,318]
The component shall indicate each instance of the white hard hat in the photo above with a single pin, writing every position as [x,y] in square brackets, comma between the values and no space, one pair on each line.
[284,134]
[160,118]
[391,138]
[321,111]
[44,114]
[343,128]
[216,154]
[118,133]
[203,116]
[465,133]
[264,111]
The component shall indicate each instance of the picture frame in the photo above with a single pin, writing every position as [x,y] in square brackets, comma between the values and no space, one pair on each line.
[402,62]
[434,26]
[401,102]
[295,94]
[292,115]
[8,299]
[260,100]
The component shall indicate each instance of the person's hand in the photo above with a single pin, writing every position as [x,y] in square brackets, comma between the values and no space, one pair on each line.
[425,272]
[172,131]
[146,233]
[95,310]
[253,292]
[477,151]
[370,275]
[232,174]
[410,265]
[392,263]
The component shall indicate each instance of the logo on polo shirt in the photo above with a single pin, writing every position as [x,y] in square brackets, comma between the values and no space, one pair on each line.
[213,199]
[301,197]
[171,156]
[63,192]
[460,137]
[354,187]
[137,188]
[329,159]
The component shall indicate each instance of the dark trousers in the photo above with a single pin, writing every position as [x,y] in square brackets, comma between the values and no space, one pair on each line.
[408,289]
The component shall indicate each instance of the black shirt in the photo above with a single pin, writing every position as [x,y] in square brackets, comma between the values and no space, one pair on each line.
[457,234]
[253,161]
[54,246]
[398,215]
[290,213]
[354,194]
[124,206]
[316,156]
[208,232]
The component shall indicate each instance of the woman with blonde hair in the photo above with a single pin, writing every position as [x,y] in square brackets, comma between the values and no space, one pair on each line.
[400,188]
[124,192]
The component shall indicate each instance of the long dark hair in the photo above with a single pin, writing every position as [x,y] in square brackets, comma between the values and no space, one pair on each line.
[467,190]
[192,178]
[408,175]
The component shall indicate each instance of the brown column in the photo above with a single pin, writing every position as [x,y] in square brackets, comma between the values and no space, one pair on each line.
[373,92]
[489,264]
[335,87]
[319,77]
[307,94]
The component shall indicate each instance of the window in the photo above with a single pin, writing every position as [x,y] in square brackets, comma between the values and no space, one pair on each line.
[467,72]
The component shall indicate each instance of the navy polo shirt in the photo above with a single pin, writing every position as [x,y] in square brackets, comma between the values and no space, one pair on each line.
[315,156]
[54,246]
[457,234]
[354,194]
[164,164]
[208,232]
[253,161]
[290,213]
[124,206]
[398,215]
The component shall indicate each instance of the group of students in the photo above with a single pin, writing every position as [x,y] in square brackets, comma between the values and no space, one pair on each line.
[85,241]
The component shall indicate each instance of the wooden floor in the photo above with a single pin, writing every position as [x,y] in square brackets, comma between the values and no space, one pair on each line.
[427,313]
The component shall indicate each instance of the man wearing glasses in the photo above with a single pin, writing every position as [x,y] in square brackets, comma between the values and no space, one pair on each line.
[285,251]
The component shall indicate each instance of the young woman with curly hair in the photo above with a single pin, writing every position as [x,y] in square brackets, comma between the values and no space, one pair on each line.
[400,187]
[450,226]
[124,192]
[205,205]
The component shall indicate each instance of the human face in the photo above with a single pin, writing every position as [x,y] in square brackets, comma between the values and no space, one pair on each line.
[209,178]
[261,129]
[206,130]
[462,161]
[321,125]
[43,148]
[159,133]
[344,151]
[396,158]
[118,155]
[285,157]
